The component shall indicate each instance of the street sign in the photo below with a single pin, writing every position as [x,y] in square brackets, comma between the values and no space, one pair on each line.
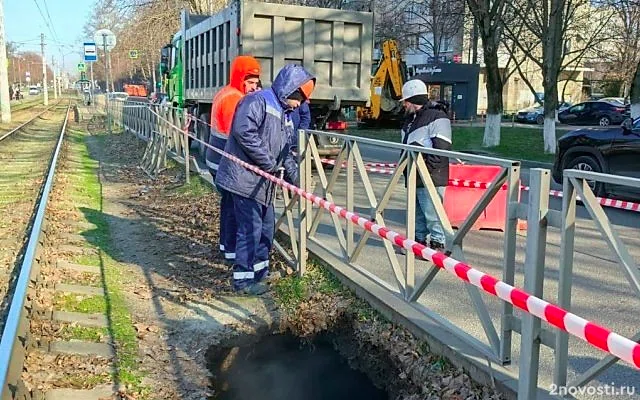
[133,54]
[104,37]
[27,74]
[90,52]
[82,67]
[28,79]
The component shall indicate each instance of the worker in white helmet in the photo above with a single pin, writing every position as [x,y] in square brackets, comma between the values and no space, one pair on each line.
[430,127]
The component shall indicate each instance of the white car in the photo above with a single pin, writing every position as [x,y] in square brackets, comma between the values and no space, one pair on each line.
[614,100]
[33,90]
[119,96]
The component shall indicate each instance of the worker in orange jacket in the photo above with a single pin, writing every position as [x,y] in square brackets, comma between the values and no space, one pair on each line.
[245,77]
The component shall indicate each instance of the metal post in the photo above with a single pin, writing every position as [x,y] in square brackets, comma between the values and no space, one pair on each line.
[55,82]
[106,80]
[44,72]
[508,269]
[92,84]
[567,240]
[5,108]
[533,278]
[410,278]
[304,206]
[349,200]
[186,151]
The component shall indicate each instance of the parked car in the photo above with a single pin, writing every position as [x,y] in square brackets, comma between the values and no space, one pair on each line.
[594,113]
[535,114]
[615,150]
[119,96]
[34,90]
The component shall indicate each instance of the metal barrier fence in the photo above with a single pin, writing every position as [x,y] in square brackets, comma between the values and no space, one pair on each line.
[346,245]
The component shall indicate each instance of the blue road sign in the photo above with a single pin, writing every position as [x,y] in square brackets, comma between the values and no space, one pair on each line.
[90,52]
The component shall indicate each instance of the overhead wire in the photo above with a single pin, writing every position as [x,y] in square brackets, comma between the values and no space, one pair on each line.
[46,8]
[45,20]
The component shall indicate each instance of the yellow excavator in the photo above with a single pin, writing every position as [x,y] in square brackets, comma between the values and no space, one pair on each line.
[384,106]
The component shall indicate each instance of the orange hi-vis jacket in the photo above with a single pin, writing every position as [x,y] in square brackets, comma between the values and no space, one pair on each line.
[226,100]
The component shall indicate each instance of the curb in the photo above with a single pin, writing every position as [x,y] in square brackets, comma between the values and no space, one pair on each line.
[523,163]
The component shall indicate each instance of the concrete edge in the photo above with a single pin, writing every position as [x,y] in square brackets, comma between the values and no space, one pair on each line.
[523,163]
[79,289]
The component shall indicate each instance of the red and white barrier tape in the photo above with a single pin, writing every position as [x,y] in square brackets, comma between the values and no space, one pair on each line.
[606,202]
[377,170]
[594,334]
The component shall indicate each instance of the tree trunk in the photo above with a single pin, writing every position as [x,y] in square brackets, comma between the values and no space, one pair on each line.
[552,48]
[635,94]
[494,95]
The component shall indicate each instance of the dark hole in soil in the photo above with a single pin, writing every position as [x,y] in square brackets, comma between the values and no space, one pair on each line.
[281,367]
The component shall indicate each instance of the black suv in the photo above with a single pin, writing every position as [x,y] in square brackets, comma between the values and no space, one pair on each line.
[613,151]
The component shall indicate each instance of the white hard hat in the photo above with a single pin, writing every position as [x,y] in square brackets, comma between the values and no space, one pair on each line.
[414,87]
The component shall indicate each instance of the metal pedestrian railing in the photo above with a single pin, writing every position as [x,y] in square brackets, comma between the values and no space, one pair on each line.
[345,236]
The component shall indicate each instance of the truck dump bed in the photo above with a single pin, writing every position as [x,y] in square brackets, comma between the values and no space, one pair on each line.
[335,45]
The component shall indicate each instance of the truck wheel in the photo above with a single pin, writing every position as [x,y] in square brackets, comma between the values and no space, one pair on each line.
[203,133]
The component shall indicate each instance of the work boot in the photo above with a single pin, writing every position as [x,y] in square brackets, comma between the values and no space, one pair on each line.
[255,289]
[437,246]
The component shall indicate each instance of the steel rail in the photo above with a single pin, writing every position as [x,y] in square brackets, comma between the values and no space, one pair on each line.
[10,334]
[14,130]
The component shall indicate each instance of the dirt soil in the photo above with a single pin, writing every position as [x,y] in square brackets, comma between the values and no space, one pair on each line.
[178,288]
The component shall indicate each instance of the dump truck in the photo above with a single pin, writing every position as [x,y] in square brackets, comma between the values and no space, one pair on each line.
[335,45]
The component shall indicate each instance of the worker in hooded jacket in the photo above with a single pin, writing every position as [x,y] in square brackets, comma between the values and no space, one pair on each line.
[260,135]
[245,78]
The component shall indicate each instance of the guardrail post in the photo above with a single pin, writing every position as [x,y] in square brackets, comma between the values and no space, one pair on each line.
[567,240]
[412,177]
[350,199]
[533,280]
[186,151]
[509,258]
[304,206]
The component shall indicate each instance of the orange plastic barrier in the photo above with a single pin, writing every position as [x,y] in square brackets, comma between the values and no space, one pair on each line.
[459,201]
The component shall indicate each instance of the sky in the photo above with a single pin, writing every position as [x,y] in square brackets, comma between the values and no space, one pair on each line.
[24,23]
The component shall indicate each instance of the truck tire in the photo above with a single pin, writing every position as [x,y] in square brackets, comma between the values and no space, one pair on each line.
[203,133]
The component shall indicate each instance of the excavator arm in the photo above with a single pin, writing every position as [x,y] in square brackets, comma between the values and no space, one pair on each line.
[386,85]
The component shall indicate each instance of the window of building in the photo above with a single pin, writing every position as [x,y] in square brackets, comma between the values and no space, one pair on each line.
[413,41]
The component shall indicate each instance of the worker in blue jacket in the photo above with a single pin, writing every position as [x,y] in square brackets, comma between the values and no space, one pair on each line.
[260,134]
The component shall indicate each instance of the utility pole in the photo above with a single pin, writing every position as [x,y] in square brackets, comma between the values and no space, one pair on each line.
[44,71]
[5,106]
[55,83]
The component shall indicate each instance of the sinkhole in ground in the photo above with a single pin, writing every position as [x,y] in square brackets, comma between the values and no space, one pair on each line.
[278,367]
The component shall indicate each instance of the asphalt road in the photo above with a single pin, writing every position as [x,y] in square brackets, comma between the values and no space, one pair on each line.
[601,293]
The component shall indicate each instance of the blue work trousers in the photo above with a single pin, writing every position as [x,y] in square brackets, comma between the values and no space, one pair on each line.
[228,225]
[256,224]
